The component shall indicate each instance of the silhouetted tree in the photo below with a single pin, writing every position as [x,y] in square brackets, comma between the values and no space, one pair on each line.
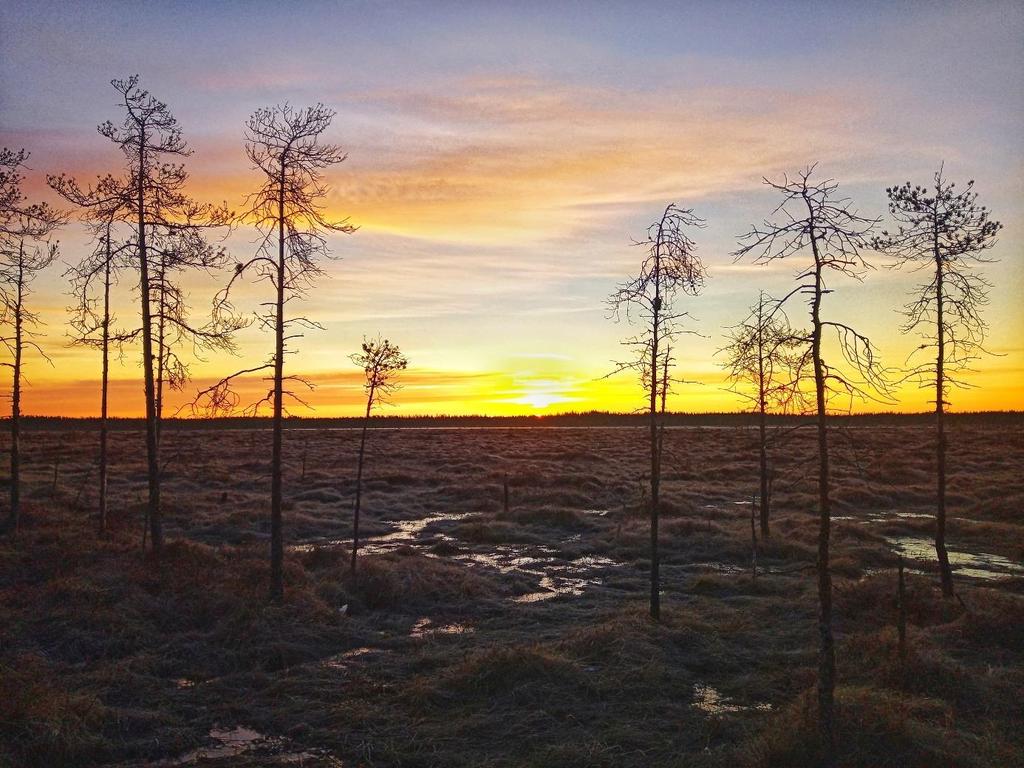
[814,222]
[761,360]
[25,250]
[284,146]
[166,224]
[176,334]
[670,266]
[102,207]
[381,362]
[12,199]
[945,232]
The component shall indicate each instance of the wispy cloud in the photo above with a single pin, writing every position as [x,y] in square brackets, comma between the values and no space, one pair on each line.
[519,159]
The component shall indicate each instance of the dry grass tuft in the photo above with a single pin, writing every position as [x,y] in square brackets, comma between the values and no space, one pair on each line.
[406,577]
[42,723]
[877,729]
[530,672]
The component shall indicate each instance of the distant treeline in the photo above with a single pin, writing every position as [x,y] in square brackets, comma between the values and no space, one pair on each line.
[585,419]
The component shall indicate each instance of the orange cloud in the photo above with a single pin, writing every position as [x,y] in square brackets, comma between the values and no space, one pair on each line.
[491,160]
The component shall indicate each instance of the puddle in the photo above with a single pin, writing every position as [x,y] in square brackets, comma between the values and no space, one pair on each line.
[228,744]
[976,565]
[555,587]
[556,576]
[870,518]
[596,512]
[406,532]
[594,561]
[344,660]
[425,627]
[711,701]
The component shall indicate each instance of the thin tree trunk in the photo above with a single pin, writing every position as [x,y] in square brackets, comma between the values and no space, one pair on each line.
[762,426]
[664,399]
[15,513]
[161,353]
[826,653]
[753,545]
[765,497]
[359,484]
[276,533]
[655,454]
[901,621]
[945,572]
[104,388]
[152,446]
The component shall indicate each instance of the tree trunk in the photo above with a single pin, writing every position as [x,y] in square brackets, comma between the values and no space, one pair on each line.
[765,500]
[276,533]
[945,572]
[15,513]
[753,545]
[826,652]
[655,453]
[901,621]
[103,390]
[152,447]
[765,497]
[359,484]
[161,352]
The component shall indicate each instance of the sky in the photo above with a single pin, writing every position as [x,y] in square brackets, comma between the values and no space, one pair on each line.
[502,157]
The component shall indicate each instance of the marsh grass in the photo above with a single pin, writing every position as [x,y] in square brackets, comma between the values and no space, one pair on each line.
[108,658]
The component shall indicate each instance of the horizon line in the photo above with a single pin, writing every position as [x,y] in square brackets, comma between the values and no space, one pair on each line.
[535,416]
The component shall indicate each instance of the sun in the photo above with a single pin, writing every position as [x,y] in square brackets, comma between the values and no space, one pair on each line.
[540,394]
[541,400]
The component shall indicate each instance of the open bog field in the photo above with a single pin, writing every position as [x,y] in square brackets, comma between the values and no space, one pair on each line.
[476,635]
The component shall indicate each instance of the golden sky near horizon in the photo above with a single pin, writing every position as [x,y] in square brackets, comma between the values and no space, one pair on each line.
[501,161]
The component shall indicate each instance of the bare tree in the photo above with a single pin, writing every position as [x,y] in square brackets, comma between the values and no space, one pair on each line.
[381,362]
[25,250]
[102,207]
[284,146]
[761,360]
[179,339]
[19,218]
[946,233]
[161,215]
[814,223]
[670,266]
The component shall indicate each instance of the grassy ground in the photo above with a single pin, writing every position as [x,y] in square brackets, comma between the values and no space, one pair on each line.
[519,638]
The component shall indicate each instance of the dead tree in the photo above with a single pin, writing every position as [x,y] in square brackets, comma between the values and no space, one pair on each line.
[381,362]
[160,212]
[92,279]
[178,338]
[284,146]
[943,232]
[815,224]
[761,361]
[11,197]
[670,266]
[25,251]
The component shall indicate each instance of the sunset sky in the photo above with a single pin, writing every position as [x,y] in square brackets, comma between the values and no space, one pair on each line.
[502,156]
